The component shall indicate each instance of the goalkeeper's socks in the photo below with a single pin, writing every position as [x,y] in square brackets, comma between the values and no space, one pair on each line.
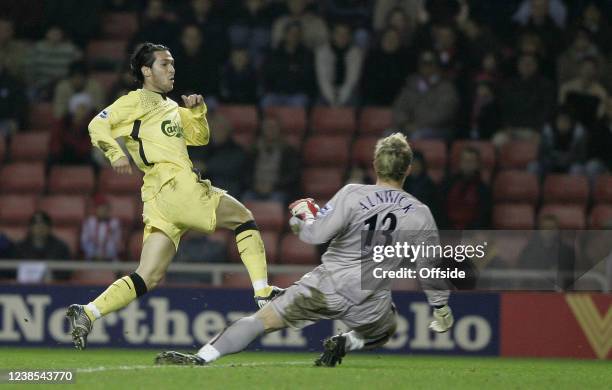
[253,255]
[232,339]
[117,296]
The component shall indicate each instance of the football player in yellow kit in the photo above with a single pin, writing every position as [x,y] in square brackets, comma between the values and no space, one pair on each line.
[156,132]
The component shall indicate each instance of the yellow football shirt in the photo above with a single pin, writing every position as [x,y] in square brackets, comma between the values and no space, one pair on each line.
[156,131]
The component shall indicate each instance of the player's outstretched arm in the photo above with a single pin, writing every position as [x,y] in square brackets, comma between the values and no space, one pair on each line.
[193,117]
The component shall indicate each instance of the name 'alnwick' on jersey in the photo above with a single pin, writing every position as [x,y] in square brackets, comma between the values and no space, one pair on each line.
[386,197]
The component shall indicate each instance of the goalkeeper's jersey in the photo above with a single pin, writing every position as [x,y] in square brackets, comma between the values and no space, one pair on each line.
[354,211]
[156,132]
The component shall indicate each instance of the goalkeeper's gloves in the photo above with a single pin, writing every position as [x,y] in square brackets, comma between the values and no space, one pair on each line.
[443,319]
[274,292]
[304,209]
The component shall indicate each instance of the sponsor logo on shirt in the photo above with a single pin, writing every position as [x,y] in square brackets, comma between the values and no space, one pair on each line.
[103,114]
[171,129]
[325,210]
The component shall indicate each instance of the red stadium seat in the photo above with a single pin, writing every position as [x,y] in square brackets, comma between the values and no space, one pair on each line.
[30,146]
[106,80]
[333,120]
[294,251]
[362,152]
[22,178]
[123,208]
[268,215]
[237,280]
[601,216]
[116,184]
[513,216]
[375,120]
[516,186]
[285,280]
[292,119]
[434,152]
[321,182]
[603,189]
[70,236]
[135,246]
[270,239]
[106,53]
[323,151]
[565,189]
[222,236]
[41,117]
[97,277]
[569,216]
[517,154]
[71,180]
[14,233]
[243,118]
[487,156]
[16,210]
[2,149]
[64,210]
[119,25]
[246,140]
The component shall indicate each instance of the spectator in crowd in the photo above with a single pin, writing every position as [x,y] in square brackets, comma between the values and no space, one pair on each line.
[484,113]
[78,81]
[197,66]
[480,41]
[208,17]
[357,175]
[546,18]
[41,244]
[223,161]
[411,13]
[50,60]
[356,13]
[600,143]
[239,79]
[289,71]
[13,103]
[468,198]
[489,70]
[313,27]
[450,53]
[251,27]
[70,143]
[581,47]
[156,25]
[531,44]
[338,68]
[14,52]
[419,184]
[563,145]
[526,102]
[427,104]
[385,66]
[585,94]
[593,21]
[399,20]
[123,85]
[275,166]
[101,233]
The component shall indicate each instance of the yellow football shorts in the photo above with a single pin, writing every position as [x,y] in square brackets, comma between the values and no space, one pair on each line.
[183,203]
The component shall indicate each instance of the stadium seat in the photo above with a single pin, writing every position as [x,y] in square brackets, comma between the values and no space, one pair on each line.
[268,215]
[285,280]
[30,146]
[95,277]
[106,80]
[513,216]
[237,280]
[135,246]
[41,117]
[294,251]
[22,178]
[64,210]
[565,189]
[362,151]
[14,233]
[271,241]
[123,208]
[569,216]
[434,152]
[517,154]
[601,216]
[119,25]
[243,118]
[70,235]
[245,140]
[602,192]
[321,182]
[325,151]
[71,180]
[113,183]
[292,119]
[487,155]
[223,236]
[106,54]
[333,120]
[375,120]
[16,210]
[515,187]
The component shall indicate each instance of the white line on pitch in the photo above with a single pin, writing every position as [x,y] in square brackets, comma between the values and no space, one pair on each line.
[227,365]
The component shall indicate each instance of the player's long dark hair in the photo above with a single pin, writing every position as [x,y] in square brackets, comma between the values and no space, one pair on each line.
[143,56]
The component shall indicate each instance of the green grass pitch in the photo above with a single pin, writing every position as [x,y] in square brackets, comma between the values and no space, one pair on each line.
[133,369]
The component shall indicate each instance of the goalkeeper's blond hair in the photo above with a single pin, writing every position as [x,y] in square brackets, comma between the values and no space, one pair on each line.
[392,157]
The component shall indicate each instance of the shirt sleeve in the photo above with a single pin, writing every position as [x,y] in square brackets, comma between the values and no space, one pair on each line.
[195,125]
[111,123]
[330,220]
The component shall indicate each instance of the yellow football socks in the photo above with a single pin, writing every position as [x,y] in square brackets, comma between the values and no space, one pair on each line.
[253,255]
[117,296]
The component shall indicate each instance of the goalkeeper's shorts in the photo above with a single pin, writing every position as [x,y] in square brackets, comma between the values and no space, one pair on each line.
[183,203]
[312,298]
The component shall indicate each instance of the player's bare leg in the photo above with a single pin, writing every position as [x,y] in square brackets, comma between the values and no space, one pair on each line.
[157,252]
[232,339]
[233,215]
